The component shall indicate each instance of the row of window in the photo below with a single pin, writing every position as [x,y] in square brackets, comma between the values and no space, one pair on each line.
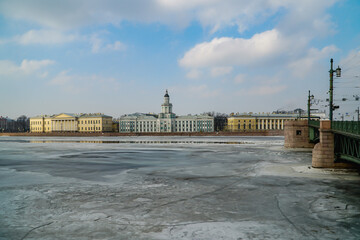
[269,126]
[261,120]
[130,127]
[176,130]
[89,128]
[90,121]
[82,122]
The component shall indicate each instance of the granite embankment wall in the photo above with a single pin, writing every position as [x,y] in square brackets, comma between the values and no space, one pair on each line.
[76,134]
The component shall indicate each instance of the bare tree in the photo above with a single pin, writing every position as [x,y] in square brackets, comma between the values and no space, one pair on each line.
[22,124]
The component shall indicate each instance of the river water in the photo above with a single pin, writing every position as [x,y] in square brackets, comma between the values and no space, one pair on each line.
[171,188]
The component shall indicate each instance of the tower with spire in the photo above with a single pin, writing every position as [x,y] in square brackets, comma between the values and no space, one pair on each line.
[166,107]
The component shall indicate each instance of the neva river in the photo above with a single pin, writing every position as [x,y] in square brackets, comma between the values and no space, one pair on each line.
[171,188]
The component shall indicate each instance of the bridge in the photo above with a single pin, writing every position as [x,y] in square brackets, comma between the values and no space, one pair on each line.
[335,143]
[344,136]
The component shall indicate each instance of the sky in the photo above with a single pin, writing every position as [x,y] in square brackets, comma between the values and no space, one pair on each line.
[118,57]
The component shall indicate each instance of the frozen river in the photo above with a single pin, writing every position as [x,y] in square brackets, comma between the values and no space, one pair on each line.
[171,188]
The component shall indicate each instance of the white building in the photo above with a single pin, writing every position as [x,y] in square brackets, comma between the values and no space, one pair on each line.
[166,121]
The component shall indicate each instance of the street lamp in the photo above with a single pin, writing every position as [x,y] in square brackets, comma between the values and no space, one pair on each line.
[338,74]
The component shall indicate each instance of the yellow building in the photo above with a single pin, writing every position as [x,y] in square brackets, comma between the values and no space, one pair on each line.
[253,122]
[66,122]
[241,123]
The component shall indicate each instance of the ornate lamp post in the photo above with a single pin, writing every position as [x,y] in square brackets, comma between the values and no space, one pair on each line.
[338,74]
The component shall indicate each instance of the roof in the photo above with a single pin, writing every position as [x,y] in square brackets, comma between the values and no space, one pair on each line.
[152,117]
[138,117]
[194,117]
[266,116]
[74,115]
[94,115]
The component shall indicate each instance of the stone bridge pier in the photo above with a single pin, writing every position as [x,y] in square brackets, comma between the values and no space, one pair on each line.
[323,154]
[296,134]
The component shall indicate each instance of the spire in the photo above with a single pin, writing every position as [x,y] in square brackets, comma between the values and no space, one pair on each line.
[166,94]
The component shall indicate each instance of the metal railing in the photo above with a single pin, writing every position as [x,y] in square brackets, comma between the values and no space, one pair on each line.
[314,123]
[352,127]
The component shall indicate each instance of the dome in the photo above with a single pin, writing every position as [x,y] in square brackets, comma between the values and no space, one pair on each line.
[166,94]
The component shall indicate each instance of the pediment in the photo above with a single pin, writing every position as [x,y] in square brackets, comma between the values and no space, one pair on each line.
[64,116]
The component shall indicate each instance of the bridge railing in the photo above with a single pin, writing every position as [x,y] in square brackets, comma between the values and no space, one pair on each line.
[352,127]
[314,123]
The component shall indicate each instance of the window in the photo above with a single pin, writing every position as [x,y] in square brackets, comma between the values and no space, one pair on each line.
[298,132]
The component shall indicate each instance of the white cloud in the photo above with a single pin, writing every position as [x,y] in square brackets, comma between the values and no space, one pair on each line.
[45,37]
[307,18]
[30,66]
[240,78]
[260,48]
[194,74]
[350,65]
[262,90]
[75,84]
[98,45]
[116,46]
[212,14]
[26,67]
[62,78]
[220,71]
[309,63]
[285,44]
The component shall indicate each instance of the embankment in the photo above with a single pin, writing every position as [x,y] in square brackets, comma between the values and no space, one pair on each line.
[77,134]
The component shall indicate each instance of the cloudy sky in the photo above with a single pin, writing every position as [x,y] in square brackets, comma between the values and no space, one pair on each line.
[119,56]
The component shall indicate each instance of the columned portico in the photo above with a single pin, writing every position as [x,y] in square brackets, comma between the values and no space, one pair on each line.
[64,125]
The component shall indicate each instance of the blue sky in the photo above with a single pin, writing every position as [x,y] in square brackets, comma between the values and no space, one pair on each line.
[119,57]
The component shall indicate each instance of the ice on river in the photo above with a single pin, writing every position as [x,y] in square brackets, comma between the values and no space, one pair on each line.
[171,188]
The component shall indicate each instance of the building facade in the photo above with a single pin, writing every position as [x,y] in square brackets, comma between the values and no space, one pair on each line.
[253,122]
[67,122]
[166,121]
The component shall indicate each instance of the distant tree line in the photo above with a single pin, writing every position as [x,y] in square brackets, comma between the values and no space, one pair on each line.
[220,120]
[21,124]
